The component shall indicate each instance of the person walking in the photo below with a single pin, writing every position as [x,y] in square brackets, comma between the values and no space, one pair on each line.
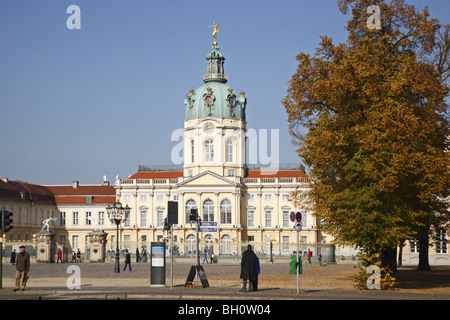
[144,255]
[205,256]
[22,268]
[320,259]
[78,255]
[127,260]
[257,272]
[248,265]
[137,255]
[309,256]
[13,257]
[74,256]
[59,256]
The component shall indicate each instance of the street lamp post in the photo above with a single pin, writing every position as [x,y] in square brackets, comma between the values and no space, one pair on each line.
[117,213]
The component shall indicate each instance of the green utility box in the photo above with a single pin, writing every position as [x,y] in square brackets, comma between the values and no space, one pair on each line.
[293,262]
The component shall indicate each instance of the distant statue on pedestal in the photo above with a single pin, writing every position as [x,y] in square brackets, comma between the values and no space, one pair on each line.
[47,223]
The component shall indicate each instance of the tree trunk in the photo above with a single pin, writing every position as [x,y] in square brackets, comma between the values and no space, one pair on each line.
[400,254]
[423,249]
[389,258]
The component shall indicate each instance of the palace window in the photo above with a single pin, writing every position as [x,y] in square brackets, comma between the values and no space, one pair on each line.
[159,218]
[268,218]
[62,218]
[414,246]
[101,218]
[250,219]
[190,204]
[286,218]
[143,218]
[87,220]
[209,151]
[74,217]
[441,241]
[229,151]
[225,211]
[208,210]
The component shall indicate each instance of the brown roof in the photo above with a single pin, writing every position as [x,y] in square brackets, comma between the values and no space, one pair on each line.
[82,190]
[23,191]
[82,200]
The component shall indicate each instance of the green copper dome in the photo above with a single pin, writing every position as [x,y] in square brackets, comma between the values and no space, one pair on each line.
[215,98]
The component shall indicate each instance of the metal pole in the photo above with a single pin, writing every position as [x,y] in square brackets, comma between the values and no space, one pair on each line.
[171,256]
[2,217]
[298,265]
[198,254]
[117,267]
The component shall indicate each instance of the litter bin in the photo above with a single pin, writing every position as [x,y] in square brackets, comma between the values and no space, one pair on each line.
[293,265]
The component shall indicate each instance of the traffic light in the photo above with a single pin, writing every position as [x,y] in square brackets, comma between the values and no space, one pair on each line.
[166,225]
[7,221]
[193,215]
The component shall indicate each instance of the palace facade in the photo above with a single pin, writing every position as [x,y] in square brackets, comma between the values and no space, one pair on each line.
[248,204]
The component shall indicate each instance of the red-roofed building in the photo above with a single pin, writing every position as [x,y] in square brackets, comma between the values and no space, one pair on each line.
[77,208]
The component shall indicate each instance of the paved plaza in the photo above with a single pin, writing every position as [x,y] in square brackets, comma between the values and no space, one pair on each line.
[329,282]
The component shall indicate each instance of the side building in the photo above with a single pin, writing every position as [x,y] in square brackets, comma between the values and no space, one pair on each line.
[74,210]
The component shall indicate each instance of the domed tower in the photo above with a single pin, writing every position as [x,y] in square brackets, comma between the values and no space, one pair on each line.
[214,126]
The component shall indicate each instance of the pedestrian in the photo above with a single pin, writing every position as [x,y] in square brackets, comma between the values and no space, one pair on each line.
[309,256]
[205,256]
[59,256]
[78,255]
[127,260]
[211,255]
[248,264]
[13,257]
[257,272]
[144,255]
[22,268]
[137,255]
[74,256]
[320,259]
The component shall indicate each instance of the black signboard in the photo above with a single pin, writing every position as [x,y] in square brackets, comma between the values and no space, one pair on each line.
[201,274]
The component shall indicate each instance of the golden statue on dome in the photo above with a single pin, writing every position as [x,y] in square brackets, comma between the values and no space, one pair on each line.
[215,30]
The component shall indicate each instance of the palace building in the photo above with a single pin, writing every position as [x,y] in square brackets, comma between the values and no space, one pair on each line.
[248,204]
[244,203]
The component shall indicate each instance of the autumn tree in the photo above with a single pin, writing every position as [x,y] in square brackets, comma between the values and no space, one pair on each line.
[376,123]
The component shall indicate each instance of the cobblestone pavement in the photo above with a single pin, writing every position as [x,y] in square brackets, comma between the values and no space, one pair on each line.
[330,282]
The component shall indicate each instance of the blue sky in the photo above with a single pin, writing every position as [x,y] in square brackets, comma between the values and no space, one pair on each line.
[80,104]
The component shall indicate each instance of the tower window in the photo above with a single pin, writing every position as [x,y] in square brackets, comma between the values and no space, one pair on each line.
[209,151]
[192,151]
[229,151]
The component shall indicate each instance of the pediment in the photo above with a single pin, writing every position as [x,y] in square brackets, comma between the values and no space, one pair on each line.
[207,179]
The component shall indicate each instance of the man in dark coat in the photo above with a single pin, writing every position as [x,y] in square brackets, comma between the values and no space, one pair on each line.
[127,260]
[22,266]
[248,264]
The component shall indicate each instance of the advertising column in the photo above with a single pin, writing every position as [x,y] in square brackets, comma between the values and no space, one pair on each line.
[158,264]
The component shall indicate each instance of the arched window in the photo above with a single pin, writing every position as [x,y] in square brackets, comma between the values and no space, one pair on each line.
[209,151]
[191,244]
[209,242]
[225,211]
[225,245]
[229,151]
[190,204]
[208,210]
